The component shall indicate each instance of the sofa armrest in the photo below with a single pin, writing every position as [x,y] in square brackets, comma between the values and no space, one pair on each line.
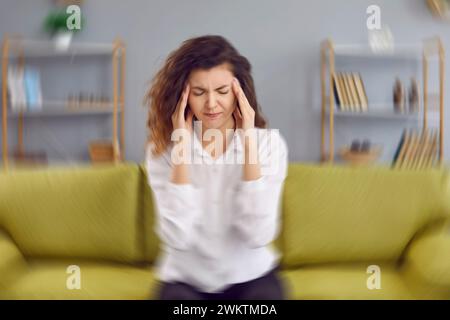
[12,262]
[429,255]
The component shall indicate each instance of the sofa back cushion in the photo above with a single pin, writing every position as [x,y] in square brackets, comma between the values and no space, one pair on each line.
[342,214]
[88,212]
[151,240]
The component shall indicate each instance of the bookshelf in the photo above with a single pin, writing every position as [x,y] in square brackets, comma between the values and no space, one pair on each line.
[420,52]
[16,47]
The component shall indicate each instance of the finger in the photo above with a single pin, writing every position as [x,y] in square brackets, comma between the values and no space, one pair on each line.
[184,99]
[181,105]
[237,116]
[239,92]
[237,112]
[190,116]
[236,89]
[237,120]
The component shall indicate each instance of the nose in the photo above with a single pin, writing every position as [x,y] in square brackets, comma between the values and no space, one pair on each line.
[211,103]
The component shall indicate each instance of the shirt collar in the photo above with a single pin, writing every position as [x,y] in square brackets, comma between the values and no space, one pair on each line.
[235,144]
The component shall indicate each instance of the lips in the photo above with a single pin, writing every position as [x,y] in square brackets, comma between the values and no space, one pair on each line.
[213,115]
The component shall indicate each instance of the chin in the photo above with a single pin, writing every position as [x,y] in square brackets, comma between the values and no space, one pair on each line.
[212,124]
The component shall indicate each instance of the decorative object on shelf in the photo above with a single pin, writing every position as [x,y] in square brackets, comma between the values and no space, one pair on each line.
[360,146]
[417,149]
[399,96]
[360,153]
[55,24]
[365,145]
[355,146]
[86,101]
[413,96]
[101,151]
[440,8]
[381,40]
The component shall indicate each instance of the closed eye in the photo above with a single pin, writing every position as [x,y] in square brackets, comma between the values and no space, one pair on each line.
[197,94]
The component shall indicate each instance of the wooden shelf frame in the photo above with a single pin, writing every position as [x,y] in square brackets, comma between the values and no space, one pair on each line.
[430,47]
[16,46]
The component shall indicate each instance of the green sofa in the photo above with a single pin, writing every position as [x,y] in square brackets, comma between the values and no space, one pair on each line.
[339,223]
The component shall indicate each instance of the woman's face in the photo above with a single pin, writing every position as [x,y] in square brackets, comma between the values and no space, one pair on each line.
[211,97]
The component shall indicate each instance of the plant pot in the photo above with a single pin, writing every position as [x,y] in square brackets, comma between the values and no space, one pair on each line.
[62,40]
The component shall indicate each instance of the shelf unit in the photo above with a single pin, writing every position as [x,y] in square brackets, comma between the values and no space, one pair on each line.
[16,46]
[421,52]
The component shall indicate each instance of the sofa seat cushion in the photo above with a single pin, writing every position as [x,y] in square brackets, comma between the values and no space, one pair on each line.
[344,281]
[47,279]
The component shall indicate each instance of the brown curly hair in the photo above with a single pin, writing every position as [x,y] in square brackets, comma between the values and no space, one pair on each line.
[203,52]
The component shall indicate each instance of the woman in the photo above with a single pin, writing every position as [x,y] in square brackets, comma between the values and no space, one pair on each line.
[218,213]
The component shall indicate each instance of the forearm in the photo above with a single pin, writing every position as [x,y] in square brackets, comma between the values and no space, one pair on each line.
[251,167]
[180,171]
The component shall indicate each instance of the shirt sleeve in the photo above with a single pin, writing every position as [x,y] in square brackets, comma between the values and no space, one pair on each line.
[257,217]
[177,205]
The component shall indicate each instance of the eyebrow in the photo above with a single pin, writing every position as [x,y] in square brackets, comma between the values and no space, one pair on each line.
[200,88]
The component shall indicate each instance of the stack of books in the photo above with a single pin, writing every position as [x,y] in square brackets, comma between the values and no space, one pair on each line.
[417,150]
[24,89]
[349,92]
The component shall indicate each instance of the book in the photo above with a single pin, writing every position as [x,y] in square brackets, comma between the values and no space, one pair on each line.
[409,147]
[347,91]
[348,83]
[414,148]
[345,103]
[337,92]
[418,150]
[399,147]
[33,89]
[361,91]
[424,149]
[405,145]
[16,88]
[356,93]
[432,156]
[355,98]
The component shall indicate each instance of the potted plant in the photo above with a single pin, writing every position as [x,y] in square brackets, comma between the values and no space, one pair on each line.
[56,25]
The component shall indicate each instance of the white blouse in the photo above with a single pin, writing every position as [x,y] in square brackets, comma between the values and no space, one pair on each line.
[216,230]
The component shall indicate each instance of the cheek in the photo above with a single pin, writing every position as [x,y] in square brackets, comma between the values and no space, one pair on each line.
[228,103]
[195,104]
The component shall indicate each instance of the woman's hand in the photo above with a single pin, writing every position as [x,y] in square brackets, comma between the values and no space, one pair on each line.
[178,120]
[244,114]
[180,172]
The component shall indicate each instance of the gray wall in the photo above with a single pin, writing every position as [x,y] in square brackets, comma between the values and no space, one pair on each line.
[280,38]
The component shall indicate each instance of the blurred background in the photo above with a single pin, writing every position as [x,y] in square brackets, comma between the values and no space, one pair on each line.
[282,40]
[345,81]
